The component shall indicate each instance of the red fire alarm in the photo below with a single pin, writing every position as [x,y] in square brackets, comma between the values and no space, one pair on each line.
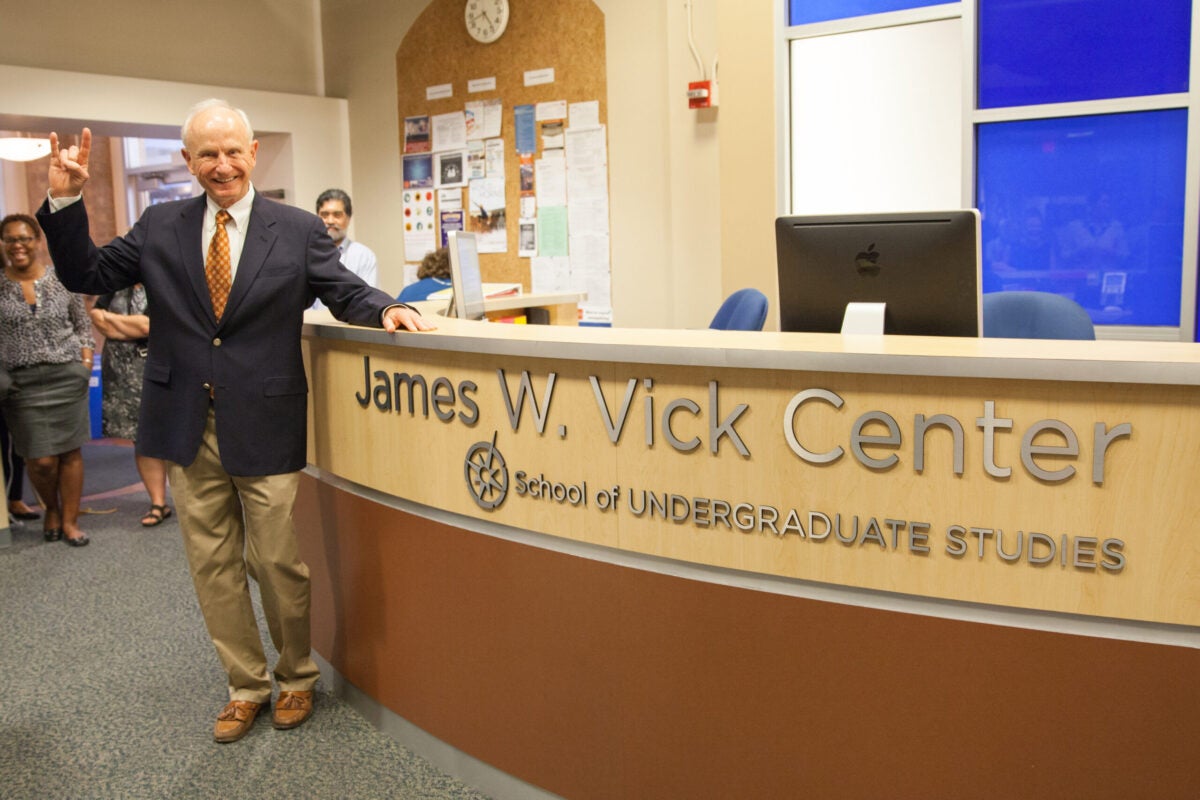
[702,94]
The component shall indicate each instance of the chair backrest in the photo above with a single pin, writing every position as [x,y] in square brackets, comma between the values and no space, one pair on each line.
[744,310]
[1034,315]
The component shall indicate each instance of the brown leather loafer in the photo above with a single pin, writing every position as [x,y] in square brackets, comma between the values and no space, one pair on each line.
[235,720]
[292,709]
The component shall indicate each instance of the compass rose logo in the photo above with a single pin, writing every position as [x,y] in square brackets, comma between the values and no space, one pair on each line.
[486,474]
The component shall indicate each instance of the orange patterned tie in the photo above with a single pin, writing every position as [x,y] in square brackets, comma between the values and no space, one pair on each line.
[216,266]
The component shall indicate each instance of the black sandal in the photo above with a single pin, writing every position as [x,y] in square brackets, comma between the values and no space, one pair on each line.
[25,515]
[156,515]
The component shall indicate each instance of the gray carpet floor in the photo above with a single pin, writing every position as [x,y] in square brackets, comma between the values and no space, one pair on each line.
[111,685]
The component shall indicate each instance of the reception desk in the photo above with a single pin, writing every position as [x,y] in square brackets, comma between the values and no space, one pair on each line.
[633,563]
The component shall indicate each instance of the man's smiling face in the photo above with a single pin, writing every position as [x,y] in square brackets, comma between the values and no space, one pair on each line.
[219,152]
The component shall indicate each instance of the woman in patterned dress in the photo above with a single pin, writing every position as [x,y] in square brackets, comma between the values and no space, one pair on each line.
[46,351]
[121,318]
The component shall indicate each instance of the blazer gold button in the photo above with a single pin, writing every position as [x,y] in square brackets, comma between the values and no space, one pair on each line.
[207,387]
[216,342]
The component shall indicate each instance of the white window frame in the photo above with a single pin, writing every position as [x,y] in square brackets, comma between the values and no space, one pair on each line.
[968,11]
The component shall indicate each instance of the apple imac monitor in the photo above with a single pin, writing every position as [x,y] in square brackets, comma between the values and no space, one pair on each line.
[466,281]
[924,268]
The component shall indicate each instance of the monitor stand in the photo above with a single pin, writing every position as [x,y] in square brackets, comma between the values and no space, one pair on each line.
[864,318]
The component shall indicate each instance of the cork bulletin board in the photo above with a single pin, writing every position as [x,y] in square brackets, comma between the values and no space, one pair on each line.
[565,35]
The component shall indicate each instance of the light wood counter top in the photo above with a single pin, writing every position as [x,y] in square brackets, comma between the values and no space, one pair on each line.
[1176,363]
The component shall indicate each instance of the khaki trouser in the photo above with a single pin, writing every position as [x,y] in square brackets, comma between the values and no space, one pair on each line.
[231,526]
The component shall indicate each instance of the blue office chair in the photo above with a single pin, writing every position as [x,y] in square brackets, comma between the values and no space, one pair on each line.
[1034,315]
[744,310]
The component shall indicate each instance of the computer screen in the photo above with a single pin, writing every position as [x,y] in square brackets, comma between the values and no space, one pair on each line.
[924,266]
[465,277]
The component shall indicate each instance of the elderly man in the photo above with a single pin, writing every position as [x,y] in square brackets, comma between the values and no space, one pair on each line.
[335,209]
[228,276]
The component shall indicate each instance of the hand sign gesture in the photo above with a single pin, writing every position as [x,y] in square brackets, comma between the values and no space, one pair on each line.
[69,167]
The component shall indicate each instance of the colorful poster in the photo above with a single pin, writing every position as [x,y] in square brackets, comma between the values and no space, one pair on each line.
[486,215]
[526,131]
[450,221]
[450,169]
[416,135]
[418,171]
[420,224]
[525,171]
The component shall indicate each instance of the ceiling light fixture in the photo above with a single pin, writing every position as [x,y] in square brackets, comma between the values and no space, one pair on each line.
[17,148]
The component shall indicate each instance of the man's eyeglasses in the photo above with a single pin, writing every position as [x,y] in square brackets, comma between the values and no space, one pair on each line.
[26,240]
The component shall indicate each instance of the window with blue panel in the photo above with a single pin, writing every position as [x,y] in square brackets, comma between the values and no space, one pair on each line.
[1049,51]
[803,12]
[1087,207]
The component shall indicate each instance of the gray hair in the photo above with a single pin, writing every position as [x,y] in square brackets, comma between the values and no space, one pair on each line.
[205,105]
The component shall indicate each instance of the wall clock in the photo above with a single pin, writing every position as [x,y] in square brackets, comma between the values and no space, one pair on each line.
[486,19]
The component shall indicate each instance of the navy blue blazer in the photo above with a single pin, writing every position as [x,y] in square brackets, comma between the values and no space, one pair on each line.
[252,357]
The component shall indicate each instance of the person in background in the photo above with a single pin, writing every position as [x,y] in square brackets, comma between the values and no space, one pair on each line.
[14,465]
[432,276]
[121,318]
[335,209]
[14,477]
[224,400]
[46,349]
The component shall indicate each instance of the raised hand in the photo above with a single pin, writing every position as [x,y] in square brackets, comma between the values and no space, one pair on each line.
[69,166]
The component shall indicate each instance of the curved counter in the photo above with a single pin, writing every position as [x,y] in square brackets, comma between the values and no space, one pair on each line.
[641,563]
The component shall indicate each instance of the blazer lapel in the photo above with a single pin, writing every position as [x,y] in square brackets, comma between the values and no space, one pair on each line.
[260,237]
[191,250]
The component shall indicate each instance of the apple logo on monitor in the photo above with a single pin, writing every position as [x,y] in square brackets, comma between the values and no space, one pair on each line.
[867,261]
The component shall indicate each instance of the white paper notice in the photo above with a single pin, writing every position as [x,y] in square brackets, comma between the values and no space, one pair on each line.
[476,164]
[587,182]
[586,147]
[549,275]
[528,206]
[551,179]
[449,131]
[584,115]
[494,153]
[595,316]
[449,199]
[536,77]
[481,85]
[483,118]
[527,238]
[555,109]
[590,269]
[595,283]
[587,195]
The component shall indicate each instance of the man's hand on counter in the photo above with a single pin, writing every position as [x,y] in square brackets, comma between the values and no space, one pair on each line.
[397,317]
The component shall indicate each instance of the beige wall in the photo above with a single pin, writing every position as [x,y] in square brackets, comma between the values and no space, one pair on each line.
[692,194]
[219,42]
